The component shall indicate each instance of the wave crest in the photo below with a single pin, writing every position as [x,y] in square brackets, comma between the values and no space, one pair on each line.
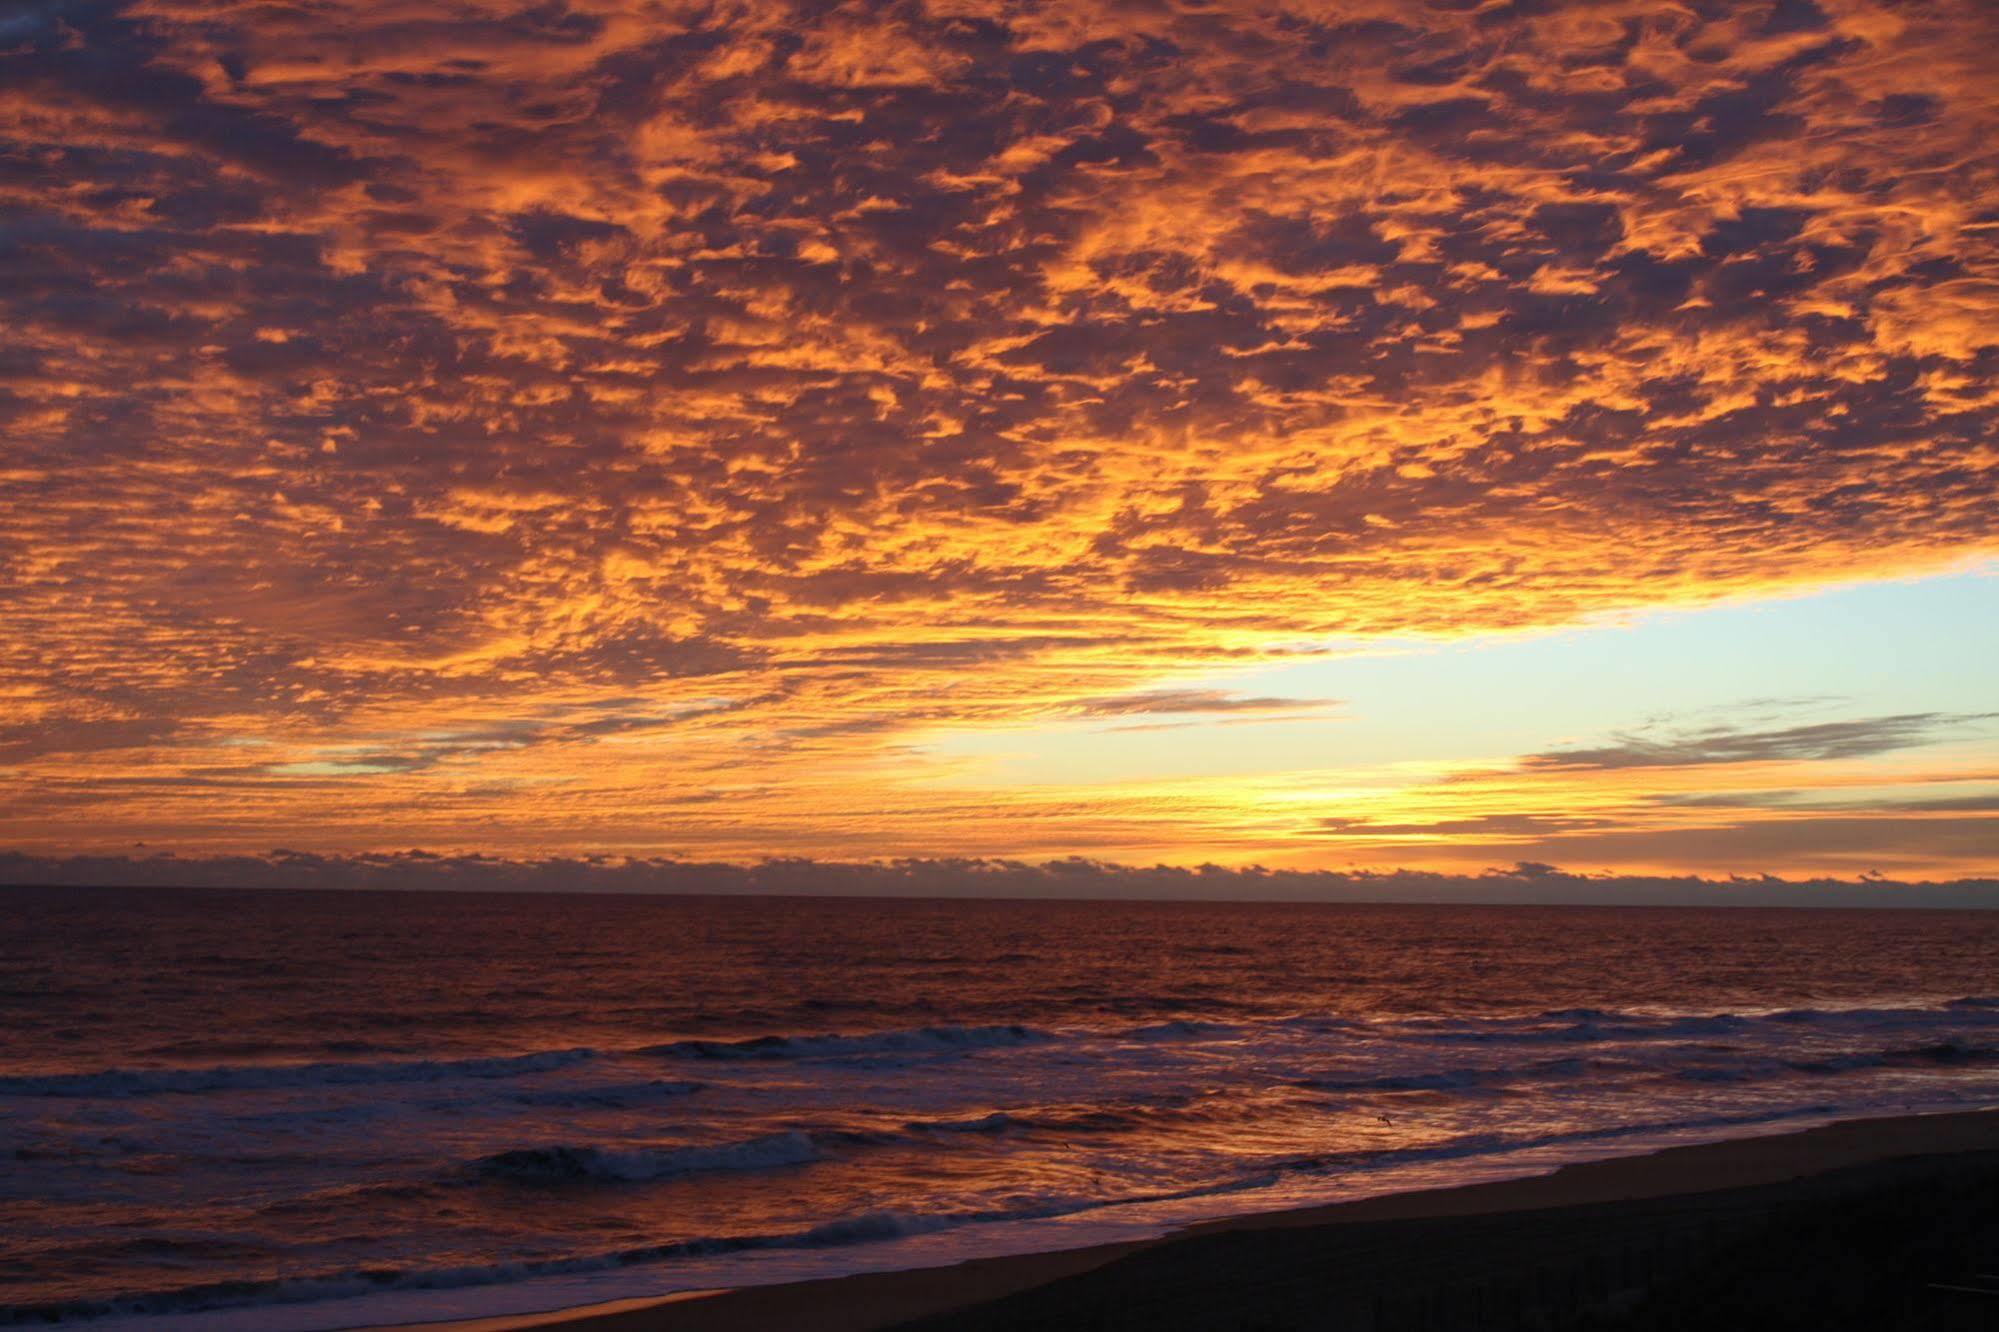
[919,1041]
[262,1077]
[632,1165]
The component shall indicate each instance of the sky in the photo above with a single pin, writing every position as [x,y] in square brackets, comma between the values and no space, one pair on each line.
[1315,434]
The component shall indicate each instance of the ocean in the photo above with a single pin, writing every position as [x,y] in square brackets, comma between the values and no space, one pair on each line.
[297,1111]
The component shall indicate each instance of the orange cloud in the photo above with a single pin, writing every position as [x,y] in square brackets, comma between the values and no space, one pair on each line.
[806,380]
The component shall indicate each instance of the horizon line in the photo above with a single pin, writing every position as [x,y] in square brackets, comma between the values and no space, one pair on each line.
[909,878]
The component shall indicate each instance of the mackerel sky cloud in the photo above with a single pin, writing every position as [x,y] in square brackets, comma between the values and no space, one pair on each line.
[743,429]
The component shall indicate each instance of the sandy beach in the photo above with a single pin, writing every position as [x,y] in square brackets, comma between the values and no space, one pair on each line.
[1881,1222]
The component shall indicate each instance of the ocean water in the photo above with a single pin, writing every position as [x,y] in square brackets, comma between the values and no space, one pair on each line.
[318,1110]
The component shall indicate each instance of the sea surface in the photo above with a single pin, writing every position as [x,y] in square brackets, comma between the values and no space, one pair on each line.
[316,1110]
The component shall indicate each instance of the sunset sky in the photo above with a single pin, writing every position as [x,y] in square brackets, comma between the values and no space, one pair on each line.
[1309,433]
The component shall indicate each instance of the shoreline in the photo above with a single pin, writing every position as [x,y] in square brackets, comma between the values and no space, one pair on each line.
[1784,1166]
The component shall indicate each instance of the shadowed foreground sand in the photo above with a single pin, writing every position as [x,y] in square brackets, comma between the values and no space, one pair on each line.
[1878,1224]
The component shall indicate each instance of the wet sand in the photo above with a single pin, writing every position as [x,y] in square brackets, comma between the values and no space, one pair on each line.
[1877,1223]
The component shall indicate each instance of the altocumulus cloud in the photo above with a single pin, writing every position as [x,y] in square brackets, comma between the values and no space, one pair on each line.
[373,370]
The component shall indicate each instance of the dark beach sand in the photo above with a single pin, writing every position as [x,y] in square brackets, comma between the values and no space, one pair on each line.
[1877,1224]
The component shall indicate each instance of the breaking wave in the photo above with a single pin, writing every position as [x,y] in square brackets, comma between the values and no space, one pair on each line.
[788,1148]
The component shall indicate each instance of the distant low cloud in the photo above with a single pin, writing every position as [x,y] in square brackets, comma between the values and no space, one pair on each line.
[1172,701]
[1518,825]
[1979,802]
[1072,878]
[1859,738]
